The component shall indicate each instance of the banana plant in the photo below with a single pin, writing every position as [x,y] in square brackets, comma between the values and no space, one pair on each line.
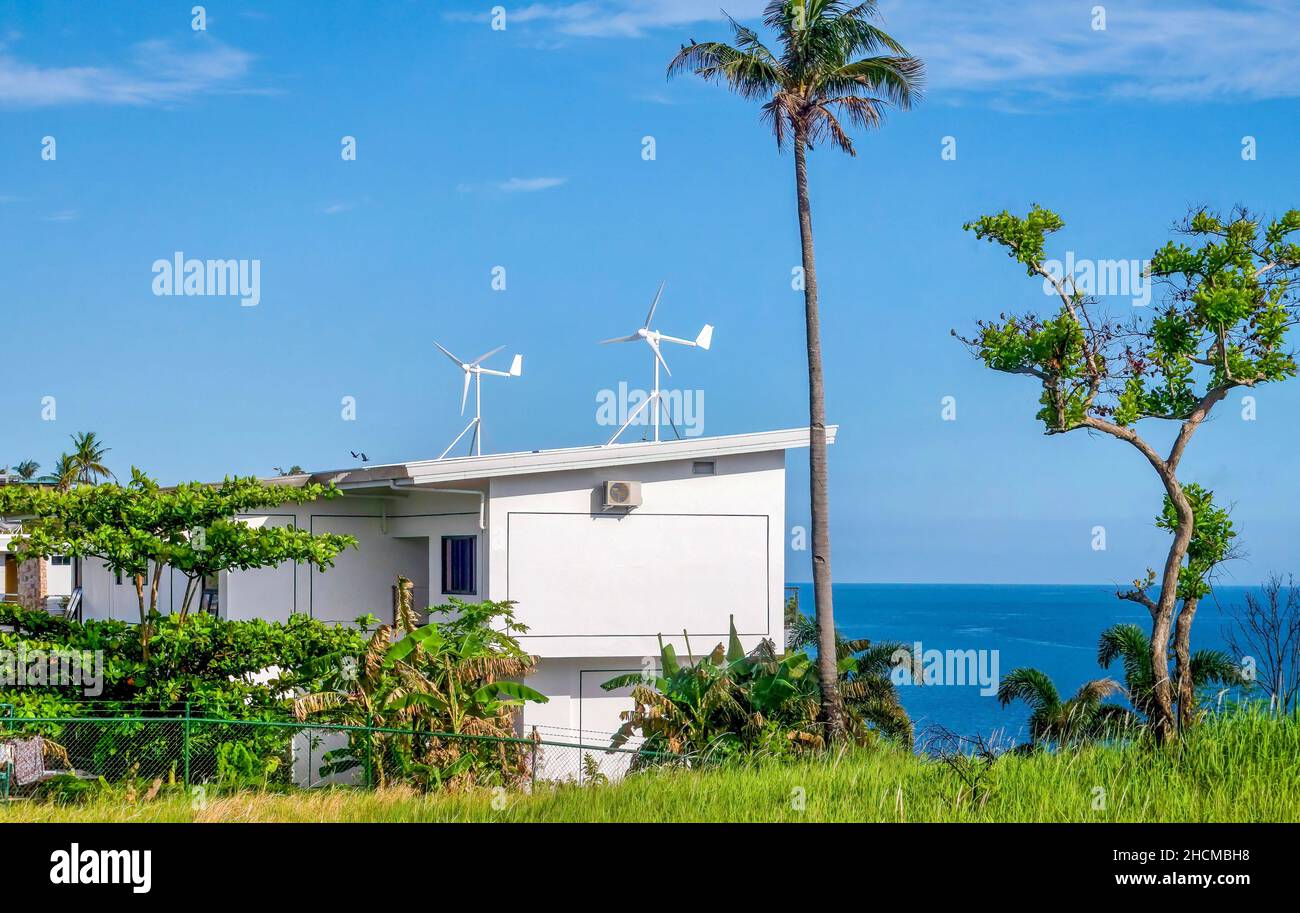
[451,686]
[730,702]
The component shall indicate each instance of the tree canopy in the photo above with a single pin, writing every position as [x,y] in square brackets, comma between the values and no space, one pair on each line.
[139,528]
[1222,324]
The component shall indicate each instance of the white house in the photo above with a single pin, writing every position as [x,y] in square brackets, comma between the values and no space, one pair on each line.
[597,570]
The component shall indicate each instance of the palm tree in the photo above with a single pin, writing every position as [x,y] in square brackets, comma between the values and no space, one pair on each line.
[1082,718]
[806,89]
[65,472]
[863,678]
[1131,645]
[88,454]
[27,469]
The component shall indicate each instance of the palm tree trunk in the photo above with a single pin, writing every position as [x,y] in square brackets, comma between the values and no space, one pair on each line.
[832,708]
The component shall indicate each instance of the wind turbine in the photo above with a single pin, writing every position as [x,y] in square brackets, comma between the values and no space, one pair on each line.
[652,338]
[476,370]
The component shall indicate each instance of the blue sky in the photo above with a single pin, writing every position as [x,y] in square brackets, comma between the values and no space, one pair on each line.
[522,148]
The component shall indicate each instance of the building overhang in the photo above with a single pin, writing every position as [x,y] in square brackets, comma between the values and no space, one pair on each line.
[474,469]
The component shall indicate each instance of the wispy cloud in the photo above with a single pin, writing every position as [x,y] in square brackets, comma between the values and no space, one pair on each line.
[515,185]
[340,206]
[1020,52]
[156,72]
[615,18]
[1157,50]
[66,215]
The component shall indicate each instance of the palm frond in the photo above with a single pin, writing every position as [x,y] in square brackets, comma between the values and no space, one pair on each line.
[1031,686]
[750,74]
[1214,667]
[1094,692]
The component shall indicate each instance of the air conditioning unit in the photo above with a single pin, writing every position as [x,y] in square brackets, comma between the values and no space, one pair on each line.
[622,494]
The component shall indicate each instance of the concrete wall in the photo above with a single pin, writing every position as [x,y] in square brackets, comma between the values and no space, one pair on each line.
[579,712]
[590,582]
[33,584]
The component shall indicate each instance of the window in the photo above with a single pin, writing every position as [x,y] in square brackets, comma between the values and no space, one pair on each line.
[458,565]
[61,561]
[703,468]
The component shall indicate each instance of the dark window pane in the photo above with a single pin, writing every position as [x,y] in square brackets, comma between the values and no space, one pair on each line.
[458,565]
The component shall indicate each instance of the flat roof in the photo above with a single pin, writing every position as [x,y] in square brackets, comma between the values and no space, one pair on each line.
[457,469]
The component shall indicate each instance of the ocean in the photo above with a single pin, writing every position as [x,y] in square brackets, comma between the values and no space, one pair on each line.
[1052,628]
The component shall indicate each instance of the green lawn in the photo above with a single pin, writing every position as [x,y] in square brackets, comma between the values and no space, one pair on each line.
[1241,768]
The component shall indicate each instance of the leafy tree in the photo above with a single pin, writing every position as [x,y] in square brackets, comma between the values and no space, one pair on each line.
[1221,325]
[810,90]
[213,662]
[238,670]
[138,529]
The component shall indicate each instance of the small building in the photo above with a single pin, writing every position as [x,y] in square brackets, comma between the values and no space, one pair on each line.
[602,549]
[38,584]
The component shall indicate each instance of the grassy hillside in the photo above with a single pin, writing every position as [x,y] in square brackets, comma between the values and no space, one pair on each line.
[1240,768]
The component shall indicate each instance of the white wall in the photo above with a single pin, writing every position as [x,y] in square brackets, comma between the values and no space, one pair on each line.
[579,712]
[58,579]
[595,583]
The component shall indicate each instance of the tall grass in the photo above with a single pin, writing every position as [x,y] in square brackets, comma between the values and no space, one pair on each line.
[1238,767]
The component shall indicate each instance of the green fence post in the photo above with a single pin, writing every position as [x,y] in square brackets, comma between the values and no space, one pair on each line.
[186,748]
[533,785]
[370,757]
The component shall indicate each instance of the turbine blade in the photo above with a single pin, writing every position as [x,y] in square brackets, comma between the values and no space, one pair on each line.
[448,354]
[464,394]
[487,355]
[650,316]
[633,338]
[659,355]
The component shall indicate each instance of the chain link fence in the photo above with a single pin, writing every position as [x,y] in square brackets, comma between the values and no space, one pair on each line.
[194,749]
